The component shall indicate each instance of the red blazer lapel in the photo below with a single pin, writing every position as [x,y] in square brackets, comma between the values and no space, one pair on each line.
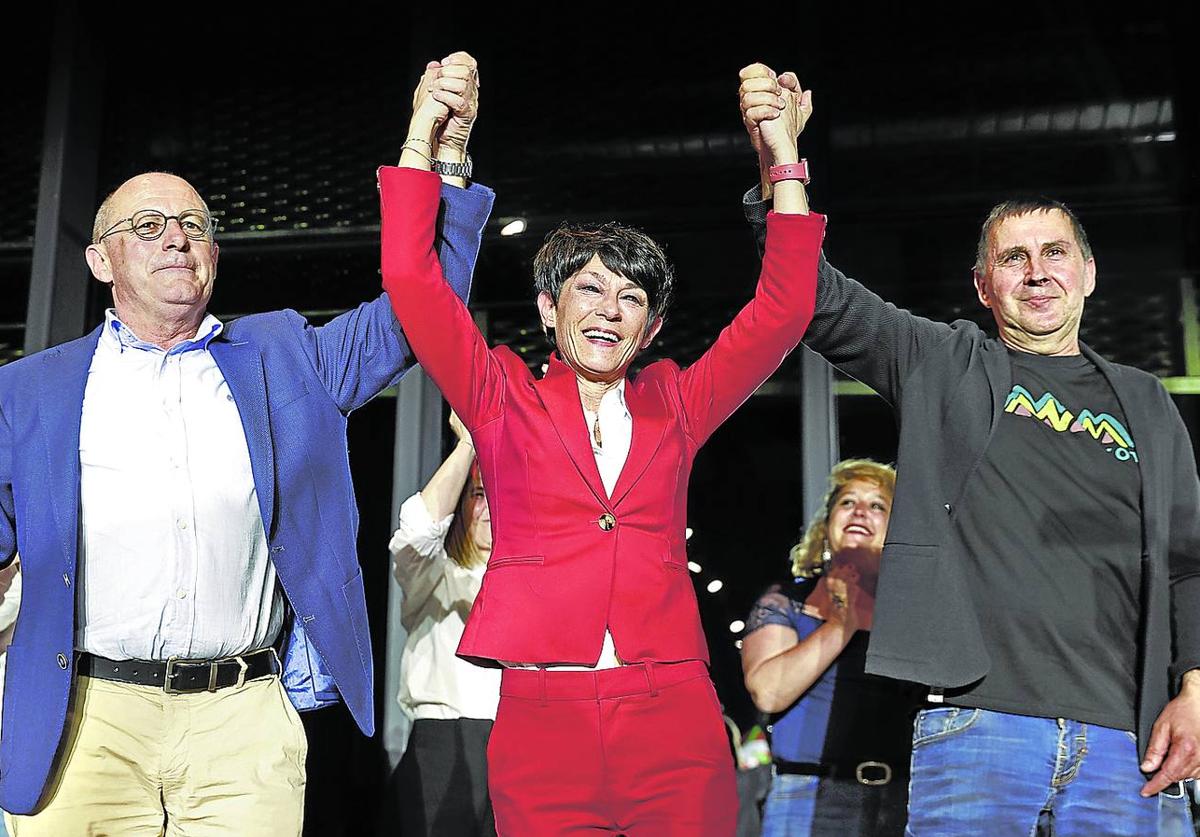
[559,394]
[649,412]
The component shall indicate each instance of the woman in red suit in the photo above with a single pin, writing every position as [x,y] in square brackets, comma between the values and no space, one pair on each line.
[608,721]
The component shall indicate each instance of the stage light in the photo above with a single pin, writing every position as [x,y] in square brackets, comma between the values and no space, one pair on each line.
[738,645]
[715,585]
[514,227]
[736,626]
[694,567]
[687,533]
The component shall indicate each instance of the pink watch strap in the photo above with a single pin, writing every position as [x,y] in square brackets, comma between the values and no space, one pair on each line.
[792,171]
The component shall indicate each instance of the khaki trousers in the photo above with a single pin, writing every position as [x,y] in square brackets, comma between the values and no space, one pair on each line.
[138,761]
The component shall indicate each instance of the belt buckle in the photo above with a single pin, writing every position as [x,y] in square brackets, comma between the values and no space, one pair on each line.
[213,669]
[169,675]
[860,772]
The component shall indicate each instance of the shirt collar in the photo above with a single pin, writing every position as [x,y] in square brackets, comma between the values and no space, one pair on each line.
[121,337]
[614,399]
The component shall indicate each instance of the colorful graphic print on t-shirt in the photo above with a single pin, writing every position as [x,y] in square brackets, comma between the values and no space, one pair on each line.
[1103,427]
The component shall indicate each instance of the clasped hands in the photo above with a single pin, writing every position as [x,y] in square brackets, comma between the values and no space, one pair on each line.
[445,104]
[774,108]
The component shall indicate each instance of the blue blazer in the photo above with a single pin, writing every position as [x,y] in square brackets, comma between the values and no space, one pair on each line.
[293,384]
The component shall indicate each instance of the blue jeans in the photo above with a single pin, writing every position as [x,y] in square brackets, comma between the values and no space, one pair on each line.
[813,806]
[975,771]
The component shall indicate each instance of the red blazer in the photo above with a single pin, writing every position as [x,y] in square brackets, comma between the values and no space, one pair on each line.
[567,560]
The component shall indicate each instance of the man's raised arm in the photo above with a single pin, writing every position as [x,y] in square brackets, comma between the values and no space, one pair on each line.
[852,327]
[365,350]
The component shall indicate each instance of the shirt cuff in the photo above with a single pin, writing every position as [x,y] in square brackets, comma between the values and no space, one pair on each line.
[418,530]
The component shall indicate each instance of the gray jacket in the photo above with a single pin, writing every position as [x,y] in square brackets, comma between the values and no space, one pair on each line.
[947,384]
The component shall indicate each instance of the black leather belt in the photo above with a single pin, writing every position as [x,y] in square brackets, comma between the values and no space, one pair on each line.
[864,772]
[177,676]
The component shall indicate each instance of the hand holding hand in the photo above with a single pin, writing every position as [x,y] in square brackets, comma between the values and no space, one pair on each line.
[428,111]
[457,89]
[759,98]
[775,110]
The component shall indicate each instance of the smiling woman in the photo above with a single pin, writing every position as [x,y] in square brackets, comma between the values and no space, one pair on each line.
[840,737]
[587,601]
[607,287]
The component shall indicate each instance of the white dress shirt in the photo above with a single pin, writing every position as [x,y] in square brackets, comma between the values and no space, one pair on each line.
[610,446]
[438,594]
[173,557]
[10,604]
[611,449]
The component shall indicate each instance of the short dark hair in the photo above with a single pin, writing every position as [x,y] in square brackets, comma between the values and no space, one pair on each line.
[1023,206]
[623,249]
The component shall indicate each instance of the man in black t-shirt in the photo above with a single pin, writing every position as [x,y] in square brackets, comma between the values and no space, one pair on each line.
[1042,570]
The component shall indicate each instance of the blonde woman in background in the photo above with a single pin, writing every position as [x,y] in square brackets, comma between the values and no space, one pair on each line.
[439,554]
[840,738]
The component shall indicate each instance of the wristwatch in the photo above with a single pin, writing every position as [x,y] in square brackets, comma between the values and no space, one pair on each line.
[462,169]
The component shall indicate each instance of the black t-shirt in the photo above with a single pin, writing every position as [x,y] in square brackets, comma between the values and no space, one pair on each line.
[1051,522]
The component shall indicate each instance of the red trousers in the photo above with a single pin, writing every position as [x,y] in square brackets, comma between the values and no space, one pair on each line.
[639,750]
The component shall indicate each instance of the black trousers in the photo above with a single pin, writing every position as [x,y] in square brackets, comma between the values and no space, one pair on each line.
[439,789]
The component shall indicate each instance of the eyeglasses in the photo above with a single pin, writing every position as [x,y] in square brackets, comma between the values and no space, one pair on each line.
[150,224]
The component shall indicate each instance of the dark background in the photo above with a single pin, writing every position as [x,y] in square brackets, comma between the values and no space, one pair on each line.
[923,121]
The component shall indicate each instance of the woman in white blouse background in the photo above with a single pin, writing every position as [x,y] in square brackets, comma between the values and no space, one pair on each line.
[10,603]
[439,553]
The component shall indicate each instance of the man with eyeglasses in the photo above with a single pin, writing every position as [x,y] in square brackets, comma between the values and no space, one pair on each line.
[180,491]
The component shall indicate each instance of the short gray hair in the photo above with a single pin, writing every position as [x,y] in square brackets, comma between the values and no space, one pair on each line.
[1023,206]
